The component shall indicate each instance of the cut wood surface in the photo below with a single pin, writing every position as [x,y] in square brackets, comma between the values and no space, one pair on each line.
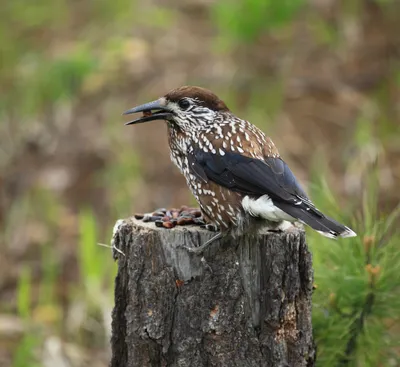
[245,302]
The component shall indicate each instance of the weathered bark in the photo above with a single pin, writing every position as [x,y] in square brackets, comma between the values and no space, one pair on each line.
[246,303]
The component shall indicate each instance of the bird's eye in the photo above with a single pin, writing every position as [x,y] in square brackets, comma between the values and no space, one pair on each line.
[184,104]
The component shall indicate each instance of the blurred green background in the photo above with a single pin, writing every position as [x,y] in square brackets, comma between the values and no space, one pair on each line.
[321,77]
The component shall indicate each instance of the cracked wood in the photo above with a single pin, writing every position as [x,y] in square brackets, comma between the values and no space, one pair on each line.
[248,303]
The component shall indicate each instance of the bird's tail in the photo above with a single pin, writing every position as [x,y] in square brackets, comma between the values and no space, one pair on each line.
[326,226]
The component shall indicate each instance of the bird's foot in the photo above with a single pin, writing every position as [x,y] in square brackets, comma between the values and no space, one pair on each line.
[199,250]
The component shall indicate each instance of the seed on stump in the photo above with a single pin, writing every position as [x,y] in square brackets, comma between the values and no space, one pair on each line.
[150,218]
[183,221]
[158,214]
[169,218]
[169,224]
[196,213]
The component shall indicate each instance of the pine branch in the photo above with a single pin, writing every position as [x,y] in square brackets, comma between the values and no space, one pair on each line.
[356,329]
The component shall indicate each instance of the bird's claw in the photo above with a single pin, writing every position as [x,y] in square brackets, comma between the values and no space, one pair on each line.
[200,249]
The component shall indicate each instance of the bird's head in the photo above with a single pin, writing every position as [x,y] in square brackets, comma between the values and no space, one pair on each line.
[187,108]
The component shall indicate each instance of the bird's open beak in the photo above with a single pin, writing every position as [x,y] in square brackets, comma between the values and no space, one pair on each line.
[155,110]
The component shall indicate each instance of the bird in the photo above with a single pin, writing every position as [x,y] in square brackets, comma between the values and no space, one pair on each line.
[232,168]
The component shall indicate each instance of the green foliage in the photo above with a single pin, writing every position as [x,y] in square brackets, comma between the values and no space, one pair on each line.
[24,293]
[44,81]
[88,248]
[357,289]
[61,78]
[25,352]
[92,257]
[245,20]
[50,275]
[35,69]
[93,297]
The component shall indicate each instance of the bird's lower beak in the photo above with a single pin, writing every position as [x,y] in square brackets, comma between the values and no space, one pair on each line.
[155,110]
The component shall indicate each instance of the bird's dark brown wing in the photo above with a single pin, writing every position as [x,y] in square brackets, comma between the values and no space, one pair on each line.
[250,176]
[272,177]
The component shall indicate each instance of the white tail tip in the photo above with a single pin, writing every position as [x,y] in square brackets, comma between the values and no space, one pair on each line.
[345,234]
[348,233]
[328,234]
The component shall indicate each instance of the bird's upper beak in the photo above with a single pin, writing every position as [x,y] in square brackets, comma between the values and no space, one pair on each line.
[159,108]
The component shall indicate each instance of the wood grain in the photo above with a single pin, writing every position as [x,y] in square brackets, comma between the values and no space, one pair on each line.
[246,303]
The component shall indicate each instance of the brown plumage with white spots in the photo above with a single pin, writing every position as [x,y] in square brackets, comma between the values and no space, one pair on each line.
[232,168]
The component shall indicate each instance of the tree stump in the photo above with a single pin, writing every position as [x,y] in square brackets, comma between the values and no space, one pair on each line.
[247,302]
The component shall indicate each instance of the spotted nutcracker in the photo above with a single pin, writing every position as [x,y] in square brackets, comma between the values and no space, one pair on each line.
[233,170]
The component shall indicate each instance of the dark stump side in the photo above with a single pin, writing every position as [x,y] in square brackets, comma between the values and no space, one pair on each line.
[247,303]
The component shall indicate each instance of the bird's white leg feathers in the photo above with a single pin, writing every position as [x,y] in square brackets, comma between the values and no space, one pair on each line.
[264,207]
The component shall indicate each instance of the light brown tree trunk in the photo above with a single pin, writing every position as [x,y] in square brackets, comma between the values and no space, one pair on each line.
[246,303]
